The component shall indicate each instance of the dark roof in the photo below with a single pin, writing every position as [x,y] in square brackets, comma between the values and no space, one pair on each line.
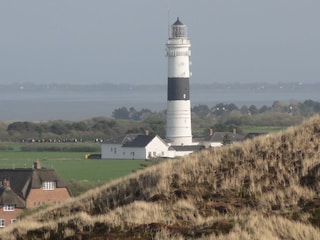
[117,140]
[177,22]
[132,140]
[219,136]
[23,180]
[9,197]
[139,141]
[20,180]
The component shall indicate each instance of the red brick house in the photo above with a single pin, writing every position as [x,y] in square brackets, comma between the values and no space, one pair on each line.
[22,188]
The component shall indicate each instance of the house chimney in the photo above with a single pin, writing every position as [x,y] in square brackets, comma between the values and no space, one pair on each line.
[6,183]
[146,132]
[211,132]
[37,165]
[234,131]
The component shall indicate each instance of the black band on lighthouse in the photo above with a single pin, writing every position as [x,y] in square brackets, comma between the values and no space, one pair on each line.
[178,89]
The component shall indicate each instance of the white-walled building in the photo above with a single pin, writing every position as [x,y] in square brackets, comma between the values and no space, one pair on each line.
[141,146]
[136,146]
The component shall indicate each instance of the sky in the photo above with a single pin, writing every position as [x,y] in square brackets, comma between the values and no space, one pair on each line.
[123,41]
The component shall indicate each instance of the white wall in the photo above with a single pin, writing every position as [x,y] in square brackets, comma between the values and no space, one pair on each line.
[116,151]
[178,128]
[212,144]
[157,148]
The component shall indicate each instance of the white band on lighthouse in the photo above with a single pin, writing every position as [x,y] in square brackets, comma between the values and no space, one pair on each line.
[178,130]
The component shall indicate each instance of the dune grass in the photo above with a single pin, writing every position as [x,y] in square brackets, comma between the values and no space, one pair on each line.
[263,188]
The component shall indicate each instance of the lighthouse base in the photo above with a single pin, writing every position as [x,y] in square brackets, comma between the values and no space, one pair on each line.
[178,130]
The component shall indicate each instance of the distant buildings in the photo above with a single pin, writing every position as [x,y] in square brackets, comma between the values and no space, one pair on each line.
[142,146]
[25,188]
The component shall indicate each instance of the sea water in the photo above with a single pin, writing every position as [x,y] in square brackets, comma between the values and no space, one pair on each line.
[79,103]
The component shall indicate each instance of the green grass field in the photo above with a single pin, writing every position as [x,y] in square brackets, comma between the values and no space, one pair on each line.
[72,165]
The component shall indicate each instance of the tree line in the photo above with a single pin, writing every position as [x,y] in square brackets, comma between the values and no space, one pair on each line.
[307,108]
[221,117]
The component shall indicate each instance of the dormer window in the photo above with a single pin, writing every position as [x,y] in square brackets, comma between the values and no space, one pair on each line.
[8,208]
[48,185]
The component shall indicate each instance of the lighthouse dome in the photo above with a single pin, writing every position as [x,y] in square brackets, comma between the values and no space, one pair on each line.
[178,22]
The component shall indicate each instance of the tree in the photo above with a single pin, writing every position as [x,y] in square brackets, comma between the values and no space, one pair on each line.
[79,126]
[253,110]
[219,109]
[244,110]
[231,107]
[263,109]
[60,128]
[121,113]
[17,126]
[21,127]
[220,127]
[133,114]
[201,110]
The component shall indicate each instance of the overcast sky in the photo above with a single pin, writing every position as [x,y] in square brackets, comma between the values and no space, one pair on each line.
[123,41]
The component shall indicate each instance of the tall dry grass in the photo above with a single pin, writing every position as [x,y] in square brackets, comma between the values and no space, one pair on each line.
[269,176]
[256,226]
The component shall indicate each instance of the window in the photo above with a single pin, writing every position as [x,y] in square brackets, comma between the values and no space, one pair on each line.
[13,220]
[48,185]
[2,223]
[8,208]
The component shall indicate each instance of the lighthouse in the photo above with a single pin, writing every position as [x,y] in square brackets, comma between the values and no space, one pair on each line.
[178,130]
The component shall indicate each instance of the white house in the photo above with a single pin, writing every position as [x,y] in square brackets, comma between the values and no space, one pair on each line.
[136,146]
[217,139]
[142,146]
